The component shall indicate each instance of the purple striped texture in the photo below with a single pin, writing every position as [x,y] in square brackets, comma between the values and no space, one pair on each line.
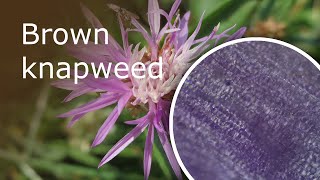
[250,111]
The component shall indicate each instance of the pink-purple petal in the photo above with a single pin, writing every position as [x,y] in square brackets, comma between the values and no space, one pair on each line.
[237,34]
[66,84]
[148,151]
[110,121]
[86,54]
[157,121]
[110,84]
[97,24]
[144,32]
[137,121]
[174,8]
[78,92]
[75,119]
[182,35]
[190,40]
[96,104]
[222,35]
[170,155]
[154,16]
[124,34]
[123,143]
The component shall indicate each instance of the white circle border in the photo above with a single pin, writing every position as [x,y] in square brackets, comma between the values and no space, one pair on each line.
[248,39]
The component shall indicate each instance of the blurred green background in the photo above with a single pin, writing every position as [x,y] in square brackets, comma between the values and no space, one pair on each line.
[36,145]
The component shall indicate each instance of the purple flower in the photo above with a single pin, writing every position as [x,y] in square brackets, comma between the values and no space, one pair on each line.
[170,43]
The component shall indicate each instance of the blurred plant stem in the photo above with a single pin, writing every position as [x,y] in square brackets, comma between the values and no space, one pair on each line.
[21,160]
[29,172]
[41,105]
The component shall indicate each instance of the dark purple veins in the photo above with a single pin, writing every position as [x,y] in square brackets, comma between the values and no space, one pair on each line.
[250,111]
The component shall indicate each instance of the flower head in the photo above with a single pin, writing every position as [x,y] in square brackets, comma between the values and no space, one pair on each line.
[170,44]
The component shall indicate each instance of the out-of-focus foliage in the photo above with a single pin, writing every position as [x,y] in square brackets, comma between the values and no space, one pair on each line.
[50,150]
[292,21]
[36,145]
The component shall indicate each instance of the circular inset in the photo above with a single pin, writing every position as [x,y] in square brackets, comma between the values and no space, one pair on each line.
[249,109]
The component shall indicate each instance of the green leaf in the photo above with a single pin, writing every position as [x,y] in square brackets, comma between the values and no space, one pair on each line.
[240,17]
[160,158]
[207,6]
[53,151]
[83,157]
[68,171]
[216,11]
[265,9]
